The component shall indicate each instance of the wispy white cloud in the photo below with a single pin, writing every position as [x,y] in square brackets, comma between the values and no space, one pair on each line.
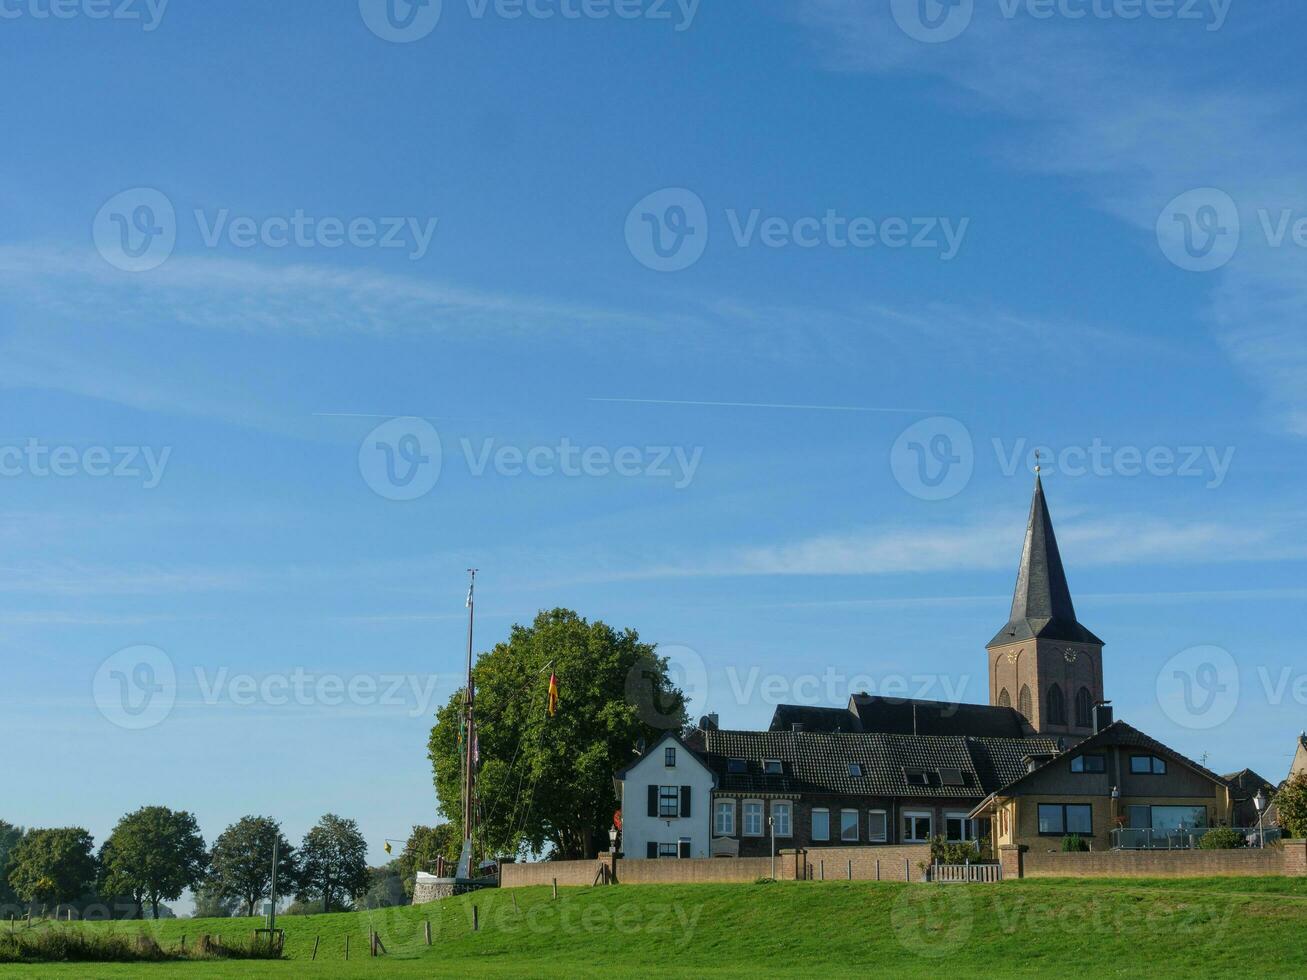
[987,545]
[1137,114]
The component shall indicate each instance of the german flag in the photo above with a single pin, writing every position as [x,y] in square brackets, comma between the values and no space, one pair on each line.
[553,695]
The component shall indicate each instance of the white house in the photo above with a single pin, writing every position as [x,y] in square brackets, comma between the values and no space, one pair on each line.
[666,801]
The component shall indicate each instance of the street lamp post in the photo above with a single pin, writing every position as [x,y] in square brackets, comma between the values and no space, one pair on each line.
[771,825]
[1259,801]
[612,839]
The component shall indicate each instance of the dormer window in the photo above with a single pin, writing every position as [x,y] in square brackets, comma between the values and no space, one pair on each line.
[916,777]
[737,767]
[772,767]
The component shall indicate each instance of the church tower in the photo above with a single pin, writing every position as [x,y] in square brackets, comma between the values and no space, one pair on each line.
[1043,662]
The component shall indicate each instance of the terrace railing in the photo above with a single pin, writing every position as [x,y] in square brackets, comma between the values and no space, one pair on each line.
[1183,839]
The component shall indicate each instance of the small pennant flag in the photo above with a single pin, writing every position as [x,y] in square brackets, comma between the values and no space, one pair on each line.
[553,695]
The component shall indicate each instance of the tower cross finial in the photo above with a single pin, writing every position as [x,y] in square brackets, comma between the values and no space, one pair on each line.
[1038,456]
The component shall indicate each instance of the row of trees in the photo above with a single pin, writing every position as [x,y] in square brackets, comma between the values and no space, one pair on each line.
[155,853]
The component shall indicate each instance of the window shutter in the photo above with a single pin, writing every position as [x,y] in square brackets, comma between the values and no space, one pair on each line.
[653,800]
[685,801]
[651,850]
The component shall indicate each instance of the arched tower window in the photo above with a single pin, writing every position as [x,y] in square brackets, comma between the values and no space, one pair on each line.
[1056,706]
[1084,709]
[1025,704]
[1004,699]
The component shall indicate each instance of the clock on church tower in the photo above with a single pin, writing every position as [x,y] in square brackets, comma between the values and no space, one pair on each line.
[1043,662]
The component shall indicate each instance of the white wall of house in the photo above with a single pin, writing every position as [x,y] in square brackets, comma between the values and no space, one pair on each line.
[690,781]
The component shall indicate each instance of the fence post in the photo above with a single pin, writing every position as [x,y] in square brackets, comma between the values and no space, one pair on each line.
[907,869]
[347,947]
[823,869]
[850,871]
[555,889]
[427,930]
[476,919]
[316,940]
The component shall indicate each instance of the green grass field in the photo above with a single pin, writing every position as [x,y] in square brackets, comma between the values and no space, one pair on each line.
[1186,928]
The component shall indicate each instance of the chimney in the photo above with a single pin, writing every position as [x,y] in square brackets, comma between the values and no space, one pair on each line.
[1102,715]
[708,723]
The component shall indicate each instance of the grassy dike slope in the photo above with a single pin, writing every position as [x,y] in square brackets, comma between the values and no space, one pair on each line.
[1187,928]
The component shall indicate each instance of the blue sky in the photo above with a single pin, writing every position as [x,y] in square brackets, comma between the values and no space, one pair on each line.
[757,420]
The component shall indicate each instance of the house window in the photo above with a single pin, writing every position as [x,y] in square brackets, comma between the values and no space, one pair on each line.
[1089,763]
[669,757]
[772,767]
[667,850]
[683,848]
[736,767]
[669,801]
[848,825]
[1166,819]
[1056,819]
[1147,765]
[723,821]
[855,768]
[1084,709]
[753,818]
[780,815]
[917,826]
[916,777]
[821,825]
[958,829]
[877,827]
[1139,817]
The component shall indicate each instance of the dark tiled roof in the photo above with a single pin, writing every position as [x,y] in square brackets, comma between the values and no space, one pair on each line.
[814,719]
[1119,733]
[1245,783]
[1041,602]
[906,716]
[817,762]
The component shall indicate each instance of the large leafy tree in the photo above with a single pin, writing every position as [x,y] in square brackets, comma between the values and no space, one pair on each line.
[51,867]
[153,855]
[334,863]
[210,905]
[1291,806]
[9,838]
[423,846]
[240,866]
[548,781]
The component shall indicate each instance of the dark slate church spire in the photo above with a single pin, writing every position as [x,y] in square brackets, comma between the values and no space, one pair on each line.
[1041,603]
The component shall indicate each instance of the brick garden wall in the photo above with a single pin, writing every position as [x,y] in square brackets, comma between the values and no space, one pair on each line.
[1291,859]
[669,872]
[544,872]
[868,863]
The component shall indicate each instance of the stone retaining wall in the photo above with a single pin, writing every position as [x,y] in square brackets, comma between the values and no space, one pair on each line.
[1289,860]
